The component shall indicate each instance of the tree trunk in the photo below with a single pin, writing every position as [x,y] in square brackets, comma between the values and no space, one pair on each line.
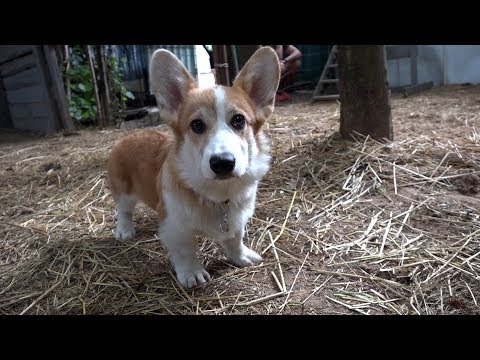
[103,88]
[100,120]
[364,91]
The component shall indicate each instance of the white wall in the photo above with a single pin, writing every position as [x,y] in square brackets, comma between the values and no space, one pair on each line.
[464,67]
[442,64]
[205,73]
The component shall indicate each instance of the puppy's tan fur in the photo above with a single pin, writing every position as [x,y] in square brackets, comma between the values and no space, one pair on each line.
[129,174]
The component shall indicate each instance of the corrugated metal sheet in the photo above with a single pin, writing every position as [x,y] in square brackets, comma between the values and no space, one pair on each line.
[137,59]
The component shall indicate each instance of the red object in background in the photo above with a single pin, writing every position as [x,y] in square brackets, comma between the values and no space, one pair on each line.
[282,96]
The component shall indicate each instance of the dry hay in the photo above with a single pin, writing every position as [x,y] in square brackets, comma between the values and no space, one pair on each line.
[344,227]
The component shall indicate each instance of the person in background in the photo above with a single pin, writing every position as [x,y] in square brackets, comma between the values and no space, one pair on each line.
[290,62]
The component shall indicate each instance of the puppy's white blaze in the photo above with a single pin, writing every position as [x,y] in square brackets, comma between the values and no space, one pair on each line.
[220,106]
[224,139]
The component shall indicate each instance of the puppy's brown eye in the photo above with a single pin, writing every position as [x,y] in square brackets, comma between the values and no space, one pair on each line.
[238,121]
[198,126]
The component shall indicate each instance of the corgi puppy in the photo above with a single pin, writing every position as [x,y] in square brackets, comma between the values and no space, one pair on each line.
[202,177]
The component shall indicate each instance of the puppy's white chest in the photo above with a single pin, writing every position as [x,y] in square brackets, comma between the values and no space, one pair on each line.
[219,220]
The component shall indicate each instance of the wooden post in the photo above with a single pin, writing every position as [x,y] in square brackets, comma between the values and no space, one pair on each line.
[364,91]
[233,51]
[232,57]
[100,120]
[221,65]
[5,118]
[244,53]
[66,59]
[49,66]
[103,88]
[54,123]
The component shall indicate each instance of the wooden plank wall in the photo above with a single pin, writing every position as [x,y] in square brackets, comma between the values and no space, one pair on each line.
[25,90]
[31,90]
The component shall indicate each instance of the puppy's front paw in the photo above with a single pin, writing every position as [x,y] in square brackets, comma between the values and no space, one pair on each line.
[192,277]
[247,257]
[125,232]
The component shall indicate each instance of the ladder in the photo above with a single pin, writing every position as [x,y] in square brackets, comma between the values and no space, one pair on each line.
[327,87]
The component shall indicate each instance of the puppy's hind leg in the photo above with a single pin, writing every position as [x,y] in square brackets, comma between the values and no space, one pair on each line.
[125,206]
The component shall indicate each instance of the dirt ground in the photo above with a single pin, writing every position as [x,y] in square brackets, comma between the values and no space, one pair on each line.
[345,227]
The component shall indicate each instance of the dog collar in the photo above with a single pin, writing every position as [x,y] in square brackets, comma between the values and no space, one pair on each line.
[223,218]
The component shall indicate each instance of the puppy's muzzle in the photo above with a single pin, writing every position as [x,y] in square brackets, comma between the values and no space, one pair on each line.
[222,164]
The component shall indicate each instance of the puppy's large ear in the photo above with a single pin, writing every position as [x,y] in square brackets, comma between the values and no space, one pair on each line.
[259,78]
[170,81]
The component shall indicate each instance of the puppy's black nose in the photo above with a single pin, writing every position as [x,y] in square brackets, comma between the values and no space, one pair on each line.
[222,164]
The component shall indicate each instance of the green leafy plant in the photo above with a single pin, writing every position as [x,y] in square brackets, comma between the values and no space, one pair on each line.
[119,94]
[82,105]
[82,102]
